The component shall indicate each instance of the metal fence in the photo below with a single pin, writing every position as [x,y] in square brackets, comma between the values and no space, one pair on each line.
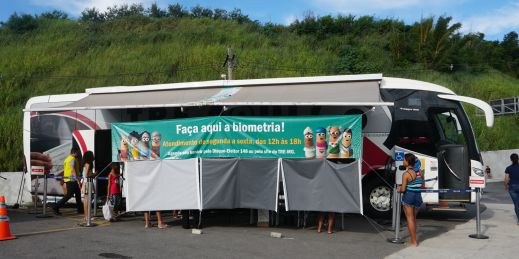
[506,106]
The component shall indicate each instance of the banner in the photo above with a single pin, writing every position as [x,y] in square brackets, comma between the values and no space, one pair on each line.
[233,136]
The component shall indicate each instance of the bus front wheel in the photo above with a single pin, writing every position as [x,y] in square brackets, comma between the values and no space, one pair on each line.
[378,198]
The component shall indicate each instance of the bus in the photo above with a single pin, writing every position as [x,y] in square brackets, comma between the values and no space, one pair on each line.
[398,115]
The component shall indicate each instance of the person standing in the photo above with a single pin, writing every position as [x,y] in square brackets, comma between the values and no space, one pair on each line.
[70,177]
[320,222]
[412,183]
[488,172]
[88,166]
[113,193]
[512,182]
[160,222]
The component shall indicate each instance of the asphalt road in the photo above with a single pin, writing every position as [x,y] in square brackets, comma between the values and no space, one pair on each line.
[225,236]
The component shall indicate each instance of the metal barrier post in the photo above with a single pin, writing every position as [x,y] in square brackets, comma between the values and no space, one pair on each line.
[95,197]
[397,239]
[478,234]
[35,196]
[44,215]
[199,219]
[393,218]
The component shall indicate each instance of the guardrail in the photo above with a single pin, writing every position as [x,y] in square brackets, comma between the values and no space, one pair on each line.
[505,106]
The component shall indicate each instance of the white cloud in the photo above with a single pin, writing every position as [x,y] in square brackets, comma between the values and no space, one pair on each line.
[354,6]
[75,7]
[499,21]
[289,19]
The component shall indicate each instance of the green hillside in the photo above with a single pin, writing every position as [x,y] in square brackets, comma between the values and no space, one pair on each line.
[51,54]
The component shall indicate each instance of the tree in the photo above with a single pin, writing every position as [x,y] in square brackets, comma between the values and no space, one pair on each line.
[155,11]
[177,11]
[199,12]
[510,46]
[220,14]
[54,15]
[125,10]
[441,38]
[238,16]
[398,42]
[92,15]
[21,23]
[434,41]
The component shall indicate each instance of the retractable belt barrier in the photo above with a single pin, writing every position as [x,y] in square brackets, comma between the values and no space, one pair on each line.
[397,202]
[59,177]
[88,182]
[447,190]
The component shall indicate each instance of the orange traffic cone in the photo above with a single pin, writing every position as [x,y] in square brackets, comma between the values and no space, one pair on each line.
[5,232]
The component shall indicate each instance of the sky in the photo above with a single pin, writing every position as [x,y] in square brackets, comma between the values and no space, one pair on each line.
[494,18]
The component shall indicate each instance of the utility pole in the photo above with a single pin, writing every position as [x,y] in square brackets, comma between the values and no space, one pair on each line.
[229,60]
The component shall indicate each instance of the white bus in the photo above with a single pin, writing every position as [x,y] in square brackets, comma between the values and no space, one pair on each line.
[397,114]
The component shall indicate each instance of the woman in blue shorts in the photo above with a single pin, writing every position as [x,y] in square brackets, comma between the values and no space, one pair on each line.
[412,183]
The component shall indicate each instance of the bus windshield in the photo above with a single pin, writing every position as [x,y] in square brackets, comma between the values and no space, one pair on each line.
[453,127]
[450,128]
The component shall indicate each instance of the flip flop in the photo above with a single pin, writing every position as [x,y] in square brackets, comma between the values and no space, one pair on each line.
[163,226]
[407,244]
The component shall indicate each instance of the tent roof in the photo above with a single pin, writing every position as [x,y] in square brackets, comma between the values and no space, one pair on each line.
[324,91]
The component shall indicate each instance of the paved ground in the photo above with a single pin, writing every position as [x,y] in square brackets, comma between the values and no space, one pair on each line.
[498,222]
[442,234]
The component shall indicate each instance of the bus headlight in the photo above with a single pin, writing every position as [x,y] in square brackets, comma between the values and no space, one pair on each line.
[478,171]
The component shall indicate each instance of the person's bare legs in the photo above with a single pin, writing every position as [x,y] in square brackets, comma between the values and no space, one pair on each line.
[331,219]
[160,222]
[85,206]
[320,220]
[409,212]
[146,219]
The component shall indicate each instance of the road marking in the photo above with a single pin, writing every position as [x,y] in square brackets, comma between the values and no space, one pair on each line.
[100,224]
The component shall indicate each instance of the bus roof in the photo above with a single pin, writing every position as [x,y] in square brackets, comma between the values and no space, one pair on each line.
[338,90]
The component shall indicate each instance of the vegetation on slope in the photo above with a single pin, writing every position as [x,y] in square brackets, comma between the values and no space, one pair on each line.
[130,45]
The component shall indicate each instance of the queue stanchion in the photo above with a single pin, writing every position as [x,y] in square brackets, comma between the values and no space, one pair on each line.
[44,214]
[397,239]
[35,196]
[95,196]
[394,203]
[478,234]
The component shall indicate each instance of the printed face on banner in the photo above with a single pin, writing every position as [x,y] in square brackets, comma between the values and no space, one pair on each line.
[235,136]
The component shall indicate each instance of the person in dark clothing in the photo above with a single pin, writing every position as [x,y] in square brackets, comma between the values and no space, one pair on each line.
[512,182]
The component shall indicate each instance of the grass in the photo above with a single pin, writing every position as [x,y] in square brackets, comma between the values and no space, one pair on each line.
[64,56]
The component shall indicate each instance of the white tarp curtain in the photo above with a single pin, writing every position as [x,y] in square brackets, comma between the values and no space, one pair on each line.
[162,185]
[309,185]
[320,185]
[239,183]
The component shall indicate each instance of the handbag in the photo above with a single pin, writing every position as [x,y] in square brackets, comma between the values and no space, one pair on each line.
[108,210]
